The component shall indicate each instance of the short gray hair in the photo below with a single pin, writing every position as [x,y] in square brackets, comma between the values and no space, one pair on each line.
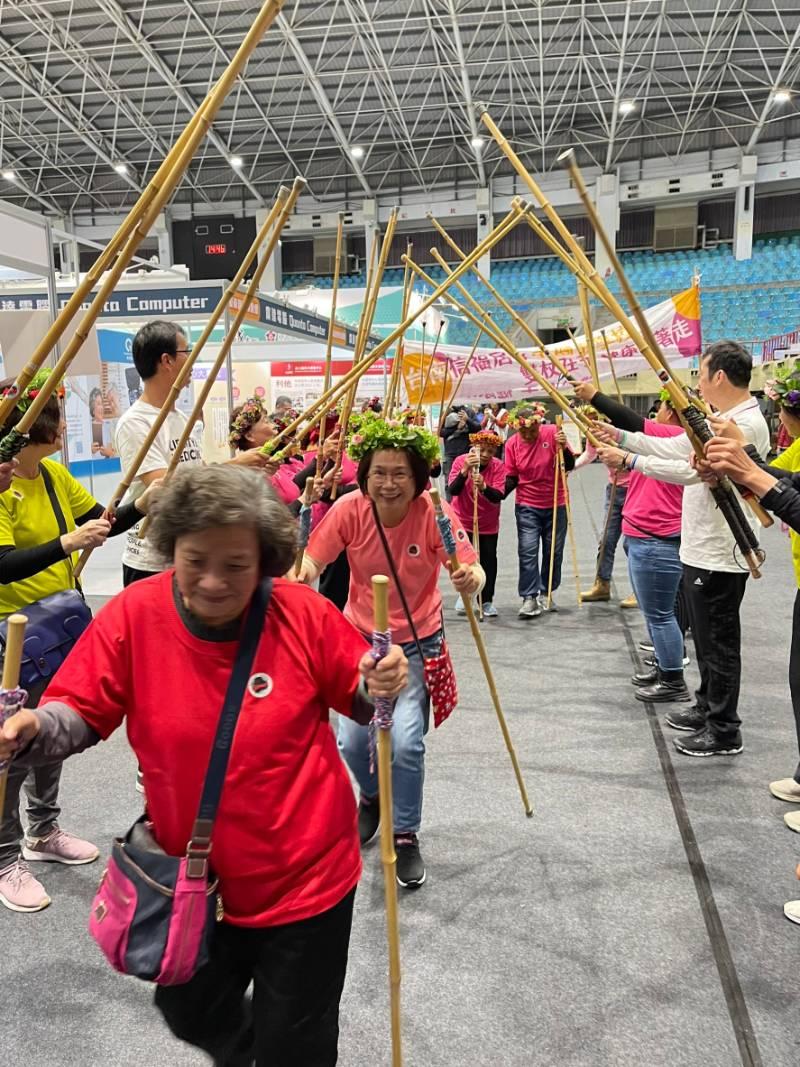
[197,498]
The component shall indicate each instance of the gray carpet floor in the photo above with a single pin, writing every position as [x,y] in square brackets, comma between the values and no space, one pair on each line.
[635,920]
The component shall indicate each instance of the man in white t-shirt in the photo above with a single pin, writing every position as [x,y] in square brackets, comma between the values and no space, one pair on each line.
[160,349]
[714,577]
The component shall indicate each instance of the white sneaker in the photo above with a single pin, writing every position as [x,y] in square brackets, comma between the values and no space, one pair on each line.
[531,608]
[792,820]
[547,603]
[786,789]
[792,911]
[489,610]
[459,607]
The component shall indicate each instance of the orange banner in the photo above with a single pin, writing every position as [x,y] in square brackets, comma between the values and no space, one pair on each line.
[418,373]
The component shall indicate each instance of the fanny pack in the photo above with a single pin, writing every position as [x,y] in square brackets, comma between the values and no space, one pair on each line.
[438,672]
[55,622]
[153,914]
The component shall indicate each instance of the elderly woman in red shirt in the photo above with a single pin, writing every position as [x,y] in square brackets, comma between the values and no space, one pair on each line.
[285,847]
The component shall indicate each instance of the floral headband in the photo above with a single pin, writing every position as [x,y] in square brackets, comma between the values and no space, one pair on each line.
[251,413]
[784,388]
[485,437]
[523,416]
[590,413]
[32,390]
[375,434]
[280,422]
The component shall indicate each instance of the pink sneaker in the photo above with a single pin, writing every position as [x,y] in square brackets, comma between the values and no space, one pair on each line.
[20,891]
[59,847]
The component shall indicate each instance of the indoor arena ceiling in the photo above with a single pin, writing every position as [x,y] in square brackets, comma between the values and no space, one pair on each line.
[87,86]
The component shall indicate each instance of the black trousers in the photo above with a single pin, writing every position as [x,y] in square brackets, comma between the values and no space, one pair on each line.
[131,575]
[713,599]
[487,546]
[334,583]
[794,673]
[297,973]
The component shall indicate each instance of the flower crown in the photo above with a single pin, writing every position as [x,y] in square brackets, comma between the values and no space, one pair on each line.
[485,437]
[280,422]
[524,415]
[410,416]
[664,397]
[252,412]
[784,388]
[32,390]
[375,434]
[590,413]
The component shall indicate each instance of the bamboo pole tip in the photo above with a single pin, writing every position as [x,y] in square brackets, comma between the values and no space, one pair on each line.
[567,157]
[379,580]
[13,621]
[299,183]
[283,193]
[481,109]
[434,495]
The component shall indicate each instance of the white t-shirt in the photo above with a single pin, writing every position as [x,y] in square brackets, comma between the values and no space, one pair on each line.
[706,540]
[132,429]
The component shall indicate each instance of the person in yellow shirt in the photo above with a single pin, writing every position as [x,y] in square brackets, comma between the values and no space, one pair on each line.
[46,519]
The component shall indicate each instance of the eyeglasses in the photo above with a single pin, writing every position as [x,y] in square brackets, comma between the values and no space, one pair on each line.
[398,477]
[183,351]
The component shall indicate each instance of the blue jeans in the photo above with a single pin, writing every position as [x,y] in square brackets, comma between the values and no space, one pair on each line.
[535,529]
[605,562]
[655,571]
[411,716]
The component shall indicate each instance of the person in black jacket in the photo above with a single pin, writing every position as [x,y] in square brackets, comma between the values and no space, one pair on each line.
[459,423]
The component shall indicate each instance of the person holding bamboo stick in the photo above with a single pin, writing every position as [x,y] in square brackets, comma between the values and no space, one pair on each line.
[531,461]
[284,848]
[459,423]
[391,524]
[480,474]
[160,349]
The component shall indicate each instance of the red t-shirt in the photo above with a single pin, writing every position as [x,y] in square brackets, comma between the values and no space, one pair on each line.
[653,508]
[285,846]
[494,474]
[416,547]
[535,466]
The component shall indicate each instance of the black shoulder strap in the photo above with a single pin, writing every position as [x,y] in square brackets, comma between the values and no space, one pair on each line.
[396,579]
[218,764]
[55,504]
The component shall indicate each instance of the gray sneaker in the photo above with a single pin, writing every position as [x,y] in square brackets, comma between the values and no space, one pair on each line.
[544,601]
[530,608]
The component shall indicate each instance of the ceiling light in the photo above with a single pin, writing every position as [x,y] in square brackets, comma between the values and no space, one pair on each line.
[121,168]
[626,107]
[477,143]
[357,152]
[9,175]
[237,162]
[781,96]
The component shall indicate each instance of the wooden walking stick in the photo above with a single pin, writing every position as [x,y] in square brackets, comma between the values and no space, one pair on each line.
[397,365]
[304,529]
[275,221]
[462,375]
[427,378]
[556,479]
[449,542]
[12,698]
[586,315]
[326,383]
[17,438]
[568,506]
[384,708]
[611,365]
[476,537]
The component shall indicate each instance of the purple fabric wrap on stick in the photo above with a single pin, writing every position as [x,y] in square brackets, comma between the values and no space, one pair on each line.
[384,706]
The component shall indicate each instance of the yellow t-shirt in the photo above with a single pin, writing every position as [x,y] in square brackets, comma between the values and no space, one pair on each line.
[789,460]
[27,519]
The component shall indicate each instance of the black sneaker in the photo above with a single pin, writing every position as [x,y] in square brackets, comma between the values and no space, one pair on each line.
[369,818]
[663,692]
[646,678]
[706,743]
[410,867]
[691,720]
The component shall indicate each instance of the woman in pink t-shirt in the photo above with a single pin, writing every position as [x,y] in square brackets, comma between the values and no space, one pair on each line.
[393,465]
[251,427]
[479,470]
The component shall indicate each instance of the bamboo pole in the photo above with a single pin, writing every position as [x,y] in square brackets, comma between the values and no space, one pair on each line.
[497,234]
[427,378]
[556,480]
[275,221]
[450,548]
[586,315]
[383,717]
[326,384]
[611,365]
[567,504]
[476,537]
[494,332]
[12,662]
[17,438]
[397,365]
[451,399]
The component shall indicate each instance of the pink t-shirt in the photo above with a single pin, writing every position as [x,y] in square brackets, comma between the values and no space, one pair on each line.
[654,507]
[321,508]
[494,474]
[416,547]
[535,466]
[618,478]
[283,483]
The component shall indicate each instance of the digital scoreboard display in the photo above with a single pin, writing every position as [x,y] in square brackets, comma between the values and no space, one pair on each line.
[216,250]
